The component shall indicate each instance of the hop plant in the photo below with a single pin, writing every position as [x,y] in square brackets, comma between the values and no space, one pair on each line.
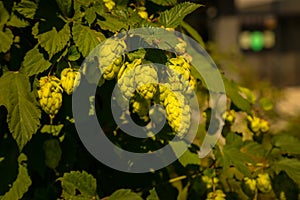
[216,195]
[178,113]
[145,78]
[50,95]
[263,183]
[69,79]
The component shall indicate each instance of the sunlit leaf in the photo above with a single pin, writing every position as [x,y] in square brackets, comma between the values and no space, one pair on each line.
[22,182]
[23,113]
[78,185]
[124,194]
[85,38]
[174,17]
[34,62]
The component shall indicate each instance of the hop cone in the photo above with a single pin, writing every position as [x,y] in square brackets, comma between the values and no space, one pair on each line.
[180,78]
[50,95]
[178,113]
[263,183]
[69,79]
[126,76]
[111,71]
[145,77]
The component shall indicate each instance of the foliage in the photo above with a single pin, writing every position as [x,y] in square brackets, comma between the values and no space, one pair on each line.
[41,155]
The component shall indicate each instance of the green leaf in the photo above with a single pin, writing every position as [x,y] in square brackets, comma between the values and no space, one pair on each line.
[234,140]
[65,6]
[90,14]
[1,159]
[287,143]
[232,156]
[27,8]
[78,185]
[34,62]
[290,166]
[253,149]
[85,38]
[193,33]
[266,103]
[113,24]
[232,92]
[52,129]
[187,157]
[174,17]
[165,2]
[4,15]
[52,153]
[22,182]
[153,195]
[6,40]
[54,41]
[15,21]
[124,194]
[183,193]
[73,54]
[23,113]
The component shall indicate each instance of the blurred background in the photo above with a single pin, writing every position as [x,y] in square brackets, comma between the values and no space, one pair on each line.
[257,43]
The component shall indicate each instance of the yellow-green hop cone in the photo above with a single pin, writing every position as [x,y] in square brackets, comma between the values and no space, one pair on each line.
[180,65]
[69,77]
[178,113]
[210,181]
[264,126]
[229,116]
[112,70]
[145,79]
[50,95]
[254,123]
[249,186]
[109,4]
[263,183]
[217,195]
[125,78]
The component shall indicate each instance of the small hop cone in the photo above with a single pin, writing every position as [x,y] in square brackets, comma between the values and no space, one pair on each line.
[50,95]
[263,183]
[178,113]
[145,77]
[112,70]
[109,4]
[69,79]
[216,195]
[209,181]
[249,186]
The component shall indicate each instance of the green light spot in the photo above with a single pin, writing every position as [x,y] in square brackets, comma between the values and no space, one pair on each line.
[257,41]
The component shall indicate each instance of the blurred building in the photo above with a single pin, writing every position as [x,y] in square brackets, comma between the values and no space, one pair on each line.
[267,32]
